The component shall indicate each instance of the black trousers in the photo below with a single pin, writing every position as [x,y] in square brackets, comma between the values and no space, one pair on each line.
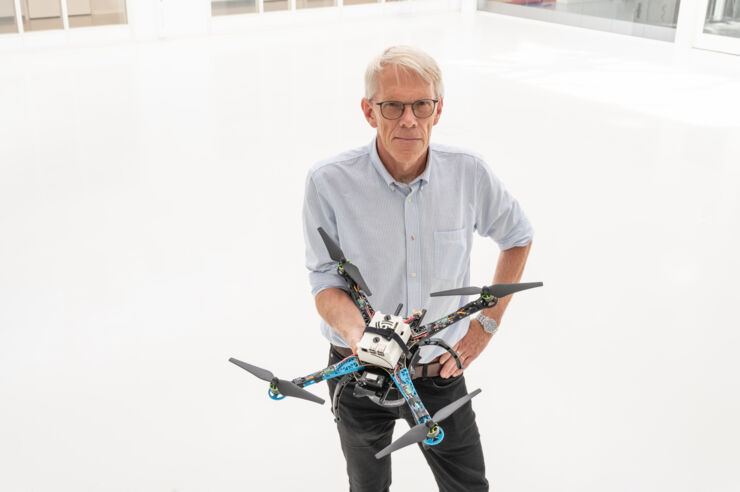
[365,428]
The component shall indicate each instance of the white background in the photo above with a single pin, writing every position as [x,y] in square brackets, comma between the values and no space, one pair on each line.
[150,200]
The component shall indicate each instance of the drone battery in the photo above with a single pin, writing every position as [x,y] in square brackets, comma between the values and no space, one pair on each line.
[379,350]
[372,381]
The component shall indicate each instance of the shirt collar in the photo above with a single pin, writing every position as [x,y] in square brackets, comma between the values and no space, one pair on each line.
[380,168]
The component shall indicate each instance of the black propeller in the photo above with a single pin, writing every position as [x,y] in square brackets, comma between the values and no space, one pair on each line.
[336,254]
[496,290]
[284,387]
[419,432]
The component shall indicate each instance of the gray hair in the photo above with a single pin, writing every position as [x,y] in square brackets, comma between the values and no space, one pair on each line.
[407,58]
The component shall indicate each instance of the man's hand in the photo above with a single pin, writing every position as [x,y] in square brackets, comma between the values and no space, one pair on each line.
[340,312]
[509,269]
[354,338]
[468,349]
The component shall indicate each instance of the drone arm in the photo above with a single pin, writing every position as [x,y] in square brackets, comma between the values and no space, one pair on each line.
[483,302]
[358,289]
[402,379]
[349,365]
[358,297]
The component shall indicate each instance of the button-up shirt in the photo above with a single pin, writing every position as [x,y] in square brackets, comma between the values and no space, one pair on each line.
[408,240]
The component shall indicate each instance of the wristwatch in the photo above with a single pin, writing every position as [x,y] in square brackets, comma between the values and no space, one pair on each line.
[489,324]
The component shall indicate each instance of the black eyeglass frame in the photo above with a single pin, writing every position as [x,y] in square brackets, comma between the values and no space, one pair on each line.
[403,109]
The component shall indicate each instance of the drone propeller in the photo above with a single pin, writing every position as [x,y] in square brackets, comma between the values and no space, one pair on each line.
[420,432]
[336,254]
[496,290]
[284,387]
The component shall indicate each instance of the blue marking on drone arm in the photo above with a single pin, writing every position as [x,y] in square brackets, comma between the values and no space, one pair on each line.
[406,387]
[350,365]
[339,369]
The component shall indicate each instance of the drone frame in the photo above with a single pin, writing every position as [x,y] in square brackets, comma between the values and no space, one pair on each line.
[402,374]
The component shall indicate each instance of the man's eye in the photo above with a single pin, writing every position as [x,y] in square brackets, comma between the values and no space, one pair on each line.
[393,105]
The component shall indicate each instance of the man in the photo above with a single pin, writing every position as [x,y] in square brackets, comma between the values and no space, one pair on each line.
[404,211]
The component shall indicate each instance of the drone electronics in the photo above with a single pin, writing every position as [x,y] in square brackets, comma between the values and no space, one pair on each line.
[388,353]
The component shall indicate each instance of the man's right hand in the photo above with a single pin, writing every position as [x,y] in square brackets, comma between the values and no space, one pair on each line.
[353,339]
[336,307]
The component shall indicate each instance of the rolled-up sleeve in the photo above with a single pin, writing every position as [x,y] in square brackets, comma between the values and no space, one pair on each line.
[317,212]
[498,214]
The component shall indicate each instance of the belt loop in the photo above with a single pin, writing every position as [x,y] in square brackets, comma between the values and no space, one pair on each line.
[424,370]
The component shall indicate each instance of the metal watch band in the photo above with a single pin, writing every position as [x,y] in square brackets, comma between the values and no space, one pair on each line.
[489,324]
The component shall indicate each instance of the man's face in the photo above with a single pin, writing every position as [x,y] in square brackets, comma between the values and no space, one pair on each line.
[406,139]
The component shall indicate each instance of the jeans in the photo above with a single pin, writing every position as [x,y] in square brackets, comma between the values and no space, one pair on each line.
[365,428]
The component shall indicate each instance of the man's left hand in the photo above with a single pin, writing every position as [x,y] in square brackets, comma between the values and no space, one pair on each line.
[468,349]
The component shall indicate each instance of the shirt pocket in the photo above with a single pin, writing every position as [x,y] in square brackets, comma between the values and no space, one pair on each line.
[449,253]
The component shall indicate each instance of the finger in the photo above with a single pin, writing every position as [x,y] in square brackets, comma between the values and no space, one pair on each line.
[465,363]
[448,369]
[446,356]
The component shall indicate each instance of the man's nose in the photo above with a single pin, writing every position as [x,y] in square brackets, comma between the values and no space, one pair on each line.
[407,117]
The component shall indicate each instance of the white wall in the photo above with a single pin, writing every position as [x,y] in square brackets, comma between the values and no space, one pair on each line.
[185,18]
[168,18]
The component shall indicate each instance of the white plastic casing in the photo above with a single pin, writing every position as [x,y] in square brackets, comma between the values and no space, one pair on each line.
[376,350]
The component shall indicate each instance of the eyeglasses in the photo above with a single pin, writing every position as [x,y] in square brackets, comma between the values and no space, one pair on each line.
[392,110]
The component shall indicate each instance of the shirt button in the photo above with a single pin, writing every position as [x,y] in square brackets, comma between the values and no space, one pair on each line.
[413,275]
[409,200]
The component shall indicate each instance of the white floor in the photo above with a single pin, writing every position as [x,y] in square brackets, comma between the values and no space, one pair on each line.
[150,202]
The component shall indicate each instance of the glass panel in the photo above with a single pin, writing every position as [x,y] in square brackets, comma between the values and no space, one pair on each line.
[648,18]
[84,13]
[272,5]
[229,7]
[653,12]
[307,4]
[723,18]
[7,17]
[40,15]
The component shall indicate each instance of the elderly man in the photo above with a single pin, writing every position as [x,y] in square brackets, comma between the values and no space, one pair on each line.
[404,210]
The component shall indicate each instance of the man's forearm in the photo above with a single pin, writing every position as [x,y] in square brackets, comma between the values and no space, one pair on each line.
[336,307]
[509,270]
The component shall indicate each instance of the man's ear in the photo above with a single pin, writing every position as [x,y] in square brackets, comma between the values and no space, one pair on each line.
[367,110]
[438,111]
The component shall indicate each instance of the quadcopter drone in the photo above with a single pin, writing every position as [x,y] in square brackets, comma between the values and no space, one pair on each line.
[387,354]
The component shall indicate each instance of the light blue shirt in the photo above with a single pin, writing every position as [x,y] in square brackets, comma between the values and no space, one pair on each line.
[407,239]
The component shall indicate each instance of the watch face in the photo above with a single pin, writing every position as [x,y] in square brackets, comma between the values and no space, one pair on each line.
[489,325]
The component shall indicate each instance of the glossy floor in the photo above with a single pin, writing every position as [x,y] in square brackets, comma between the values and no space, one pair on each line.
[150,200]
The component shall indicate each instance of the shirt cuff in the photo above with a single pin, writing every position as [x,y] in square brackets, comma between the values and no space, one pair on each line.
[519,237]
[325,280]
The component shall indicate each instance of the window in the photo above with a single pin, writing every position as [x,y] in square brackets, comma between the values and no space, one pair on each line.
[307,4]
[654,19]
[41,15]
[83,13]
[8,21]
[230,7]
[723,18]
